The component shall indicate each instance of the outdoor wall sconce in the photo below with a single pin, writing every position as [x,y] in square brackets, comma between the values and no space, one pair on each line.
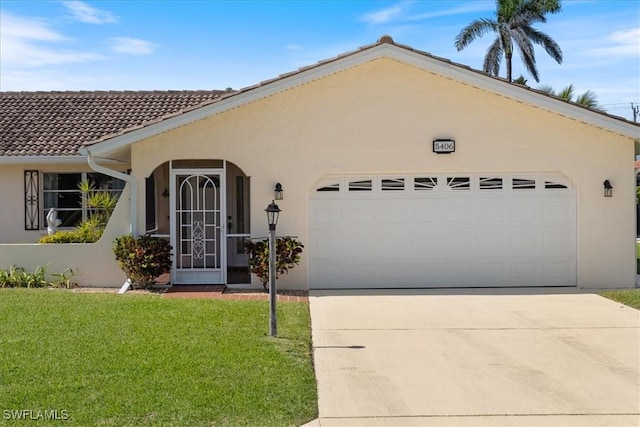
[608,189]
[278,192]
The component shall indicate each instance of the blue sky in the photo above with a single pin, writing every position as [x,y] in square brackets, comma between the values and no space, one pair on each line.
[198,44]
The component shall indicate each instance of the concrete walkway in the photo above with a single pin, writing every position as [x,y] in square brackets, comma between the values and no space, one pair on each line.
[494,358]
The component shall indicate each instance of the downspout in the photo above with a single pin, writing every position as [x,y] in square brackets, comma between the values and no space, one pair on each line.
[133,203]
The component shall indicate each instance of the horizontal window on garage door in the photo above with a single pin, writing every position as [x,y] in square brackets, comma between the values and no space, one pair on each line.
[328,185]
[392,184]
[490,183]
[523,183]
[360,185]
[459,183]
[425,183]
[438,183]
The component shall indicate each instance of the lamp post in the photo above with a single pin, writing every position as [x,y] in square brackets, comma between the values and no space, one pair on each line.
[272,217]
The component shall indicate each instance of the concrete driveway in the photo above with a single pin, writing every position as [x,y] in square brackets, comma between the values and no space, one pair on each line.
[492,358]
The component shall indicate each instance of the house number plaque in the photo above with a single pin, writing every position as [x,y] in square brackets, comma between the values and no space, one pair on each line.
[444,146]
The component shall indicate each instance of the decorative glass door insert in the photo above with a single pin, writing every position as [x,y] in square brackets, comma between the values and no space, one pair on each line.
[198,226]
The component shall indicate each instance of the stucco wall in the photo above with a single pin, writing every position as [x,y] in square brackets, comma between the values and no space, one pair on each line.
[380,117]
[93,264]
[12,203]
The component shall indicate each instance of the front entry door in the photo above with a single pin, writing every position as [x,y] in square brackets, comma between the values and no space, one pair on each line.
[198,232]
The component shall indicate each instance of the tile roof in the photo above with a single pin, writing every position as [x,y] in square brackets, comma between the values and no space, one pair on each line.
[59,123]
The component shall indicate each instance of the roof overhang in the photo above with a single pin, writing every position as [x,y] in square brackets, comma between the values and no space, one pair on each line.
[404,54]
[42,160]
[47,160]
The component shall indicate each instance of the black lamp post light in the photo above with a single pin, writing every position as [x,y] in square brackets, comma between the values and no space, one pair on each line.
[273,211]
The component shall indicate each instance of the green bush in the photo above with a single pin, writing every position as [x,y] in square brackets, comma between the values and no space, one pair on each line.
[288,250]
[89,231]
[142,258]
[17,277]
[101,205]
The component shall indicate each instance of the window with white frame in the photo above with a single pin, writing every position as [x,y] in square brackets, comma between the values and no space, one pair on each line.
[61,191]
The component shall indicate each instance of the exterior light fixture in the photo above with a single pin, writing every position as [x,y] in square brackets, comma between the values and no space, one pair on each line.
[608,189]
[272,215]
[278,192]
[273,212]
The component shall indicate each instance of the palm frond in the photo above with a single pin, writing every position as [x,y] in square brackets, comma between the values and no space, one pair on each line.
[475,30]
[547,89]
[588,99]
[526,13]
[527,53]
[566,93]
[542,39]
[493,58]
[549,6]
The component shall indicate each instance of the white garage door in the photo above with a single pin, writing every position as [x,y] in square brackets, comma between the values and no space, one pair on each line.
[442,230]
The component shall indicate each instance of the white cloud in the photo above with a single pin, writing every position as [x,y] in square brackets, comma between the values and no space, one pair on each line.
[82,12]
[399,11]
[621,43]
[25,42]
[293,47]
[476,6]
[12,26]
[386,15]
[132,46]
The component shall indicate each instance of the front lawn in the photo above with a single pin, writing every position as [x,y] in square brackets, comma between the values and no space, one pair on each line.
[108,359]
[630,297]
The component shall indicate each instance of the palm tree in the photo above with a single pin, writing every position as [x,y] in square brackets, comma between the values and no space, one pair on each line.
[587,99]
[513,26]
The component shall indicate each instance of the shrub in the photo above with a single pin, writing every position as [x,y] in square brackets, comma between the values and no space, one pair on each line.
[142,258]
[288,250]
[101,205]
[17,277]
[89,231]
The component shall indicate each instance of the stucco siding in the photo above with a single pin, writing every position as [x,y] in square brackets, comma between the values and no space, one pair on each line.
[12,199]
[381,117]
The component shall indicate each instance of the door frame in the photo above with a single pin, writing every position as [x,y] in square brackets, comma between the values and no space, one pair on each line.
[219,277]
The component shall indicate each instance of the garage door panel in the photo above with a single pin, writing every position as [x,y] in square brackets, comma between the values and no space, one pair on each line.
[442,237]
[359,216]
[525,242]
[493,242]
[558,271]
[325,214]
[393,216]
[356,244]
[424,214]
[524,273]
[558,242]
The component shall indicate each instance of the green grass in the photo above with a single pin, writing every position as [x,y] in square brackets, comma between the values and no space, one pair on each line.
[630,297]
[121,360]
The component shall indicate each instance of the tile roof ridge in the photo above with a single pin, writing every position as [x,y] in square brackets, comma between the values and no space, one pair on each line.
[111,91]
